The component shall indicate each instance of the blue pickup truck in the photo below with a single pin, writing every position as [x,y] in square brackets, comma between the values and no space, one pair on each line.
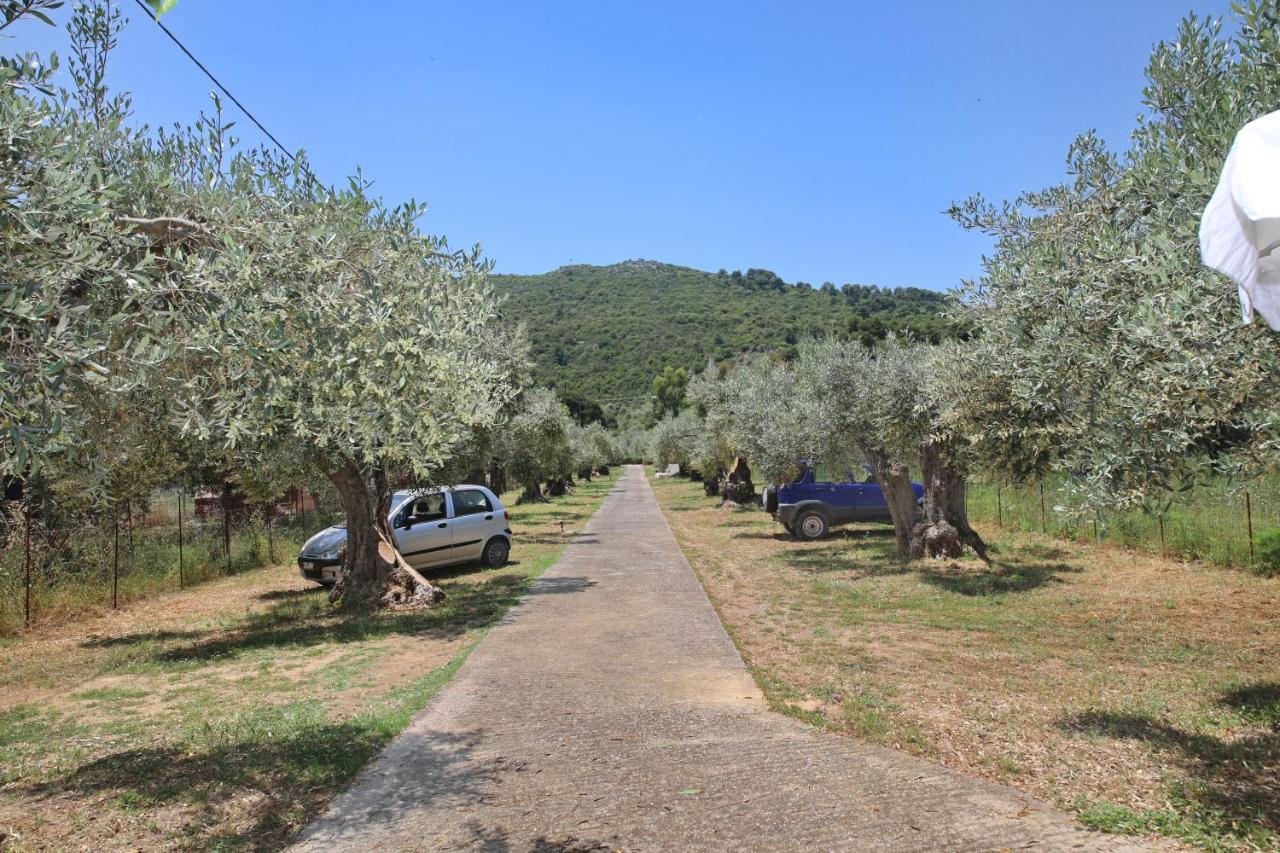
[808,508]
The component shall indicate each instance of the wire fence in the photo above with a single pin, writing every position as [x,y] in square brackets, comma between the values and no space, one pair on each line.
[57,569]
[1217,523]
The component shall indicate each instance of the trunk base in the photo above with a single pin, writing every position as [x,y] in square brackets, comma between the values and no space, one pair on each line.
[936,540]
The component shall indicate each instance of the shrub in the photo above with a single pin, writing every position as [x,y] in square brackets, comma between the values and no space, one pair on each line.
[1266,552]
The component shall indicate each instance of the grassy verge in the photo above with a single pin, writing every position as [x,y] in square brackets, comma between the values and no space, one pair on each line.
[1142,693]
[225,716]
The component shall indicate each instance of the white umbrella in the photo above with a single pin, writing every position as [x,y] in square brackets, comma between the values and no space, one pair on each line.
[1240,229]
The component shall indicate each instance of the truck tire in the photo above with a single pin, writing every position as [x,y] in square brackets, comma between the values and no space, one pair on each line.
[811,525]
[770,499]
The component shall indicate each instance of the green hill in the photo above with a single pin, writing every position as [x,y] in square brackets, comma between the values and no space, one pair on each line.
[600,334]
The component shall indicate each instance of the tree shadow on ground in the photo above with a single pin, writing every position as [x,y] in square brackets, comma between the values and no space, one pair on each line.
[997,578]
[1259,703]
[280,783]
[875,555]
[498,840]
[559,585]
[1234,780]
[285,625]
[549,539]
[96,642]
[290,594]
[875,558]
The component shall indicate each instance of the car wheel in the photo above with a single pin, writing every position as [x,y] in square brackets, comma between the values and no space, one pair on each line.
[811,525]
[496,553]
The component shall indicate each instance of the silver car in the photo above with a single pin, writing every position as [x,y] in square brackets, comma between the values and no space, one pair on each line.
[437,527]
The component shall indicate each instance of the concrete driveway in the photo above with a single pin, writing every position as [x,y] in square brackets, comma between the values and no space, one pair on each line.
[610,710]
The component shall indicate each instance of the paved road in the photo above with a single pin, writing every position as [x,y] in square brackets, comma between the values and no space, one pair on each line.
[609,709]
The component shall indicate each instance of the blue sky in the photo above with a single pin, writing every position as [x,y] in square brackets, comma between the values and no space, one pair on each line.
[819,140]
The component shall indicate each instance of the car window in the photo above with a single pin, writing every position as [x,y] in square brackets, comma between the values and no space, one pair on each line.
[470,502]
[427,508]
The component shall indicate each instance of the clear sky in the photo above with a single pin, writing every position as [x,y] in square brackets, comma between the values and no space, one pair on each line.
[821,140]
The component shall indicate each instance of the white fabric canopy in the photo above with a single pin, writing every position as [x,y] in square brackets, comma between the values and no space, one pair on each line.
[1240,229]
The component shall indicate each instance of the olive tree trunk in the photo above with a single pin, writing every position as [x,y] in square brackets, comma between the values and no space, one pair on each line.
[737,486]
[374,574]
[497,477]
[945,529]
[894,478]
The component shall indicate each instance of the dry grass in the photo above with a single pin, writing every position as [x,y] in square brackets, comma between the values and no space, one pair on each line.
[225,716]
[1143,693]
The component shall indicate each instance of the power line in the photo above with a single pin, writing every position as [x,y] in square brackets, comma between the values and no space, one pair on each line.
[215,80]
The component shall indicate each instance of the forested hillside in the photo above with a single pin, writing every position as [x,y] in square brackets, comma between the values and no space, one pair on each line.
[601,334]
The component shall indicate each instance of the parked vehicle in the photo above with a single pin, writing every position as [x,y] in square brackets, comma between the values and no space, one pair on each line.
[808,508]
[439,527]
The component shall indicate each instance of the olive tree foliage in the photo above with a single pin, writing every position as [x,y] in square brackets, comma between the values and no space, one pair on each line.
[592,449]
[77,307]
[630,445]
[712,451]
[1106,350]
[770,419]
[536,442]
[671,440]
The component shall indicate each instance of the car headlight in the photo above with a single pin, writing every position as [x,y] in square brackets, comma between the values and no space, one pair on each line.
[334,553]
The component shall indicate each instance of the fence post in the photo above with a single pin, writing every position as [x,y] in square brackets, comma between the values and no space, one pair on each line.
[271,548]
[226,528]
[180,578]
[1160,519]
[128,509]
[999,507]
[115,560]
[1044,527]
[26,608]
[1248,519]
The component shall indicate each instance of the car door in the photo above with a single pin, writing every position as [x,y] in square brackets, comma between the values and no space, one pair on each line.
[473,522]
[870,502]
[422,530]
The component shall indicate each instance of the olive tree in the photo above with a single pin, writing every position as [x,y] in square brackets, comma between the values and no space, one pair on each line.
[535,445]
[327,322]
[859,402]
[1105,350]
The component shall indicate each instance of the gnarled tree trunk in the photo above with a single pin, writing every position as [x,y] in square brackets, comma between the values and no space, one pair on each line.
[894,478]
[374,574]
[532,494]
[497,477]
[945,529]
[737,483]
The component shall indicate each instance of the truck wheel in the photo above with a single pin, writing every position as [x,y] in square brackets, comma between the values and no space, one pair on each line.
[770,499]
[811,525]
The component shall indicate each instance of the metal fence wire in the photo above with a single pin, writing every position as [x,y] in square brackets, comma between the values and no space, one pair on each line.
[177,538]
[1217,523]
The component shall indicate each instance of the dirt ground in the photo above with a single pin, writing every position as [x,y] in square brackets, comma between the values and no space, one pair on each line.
[1142,693]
